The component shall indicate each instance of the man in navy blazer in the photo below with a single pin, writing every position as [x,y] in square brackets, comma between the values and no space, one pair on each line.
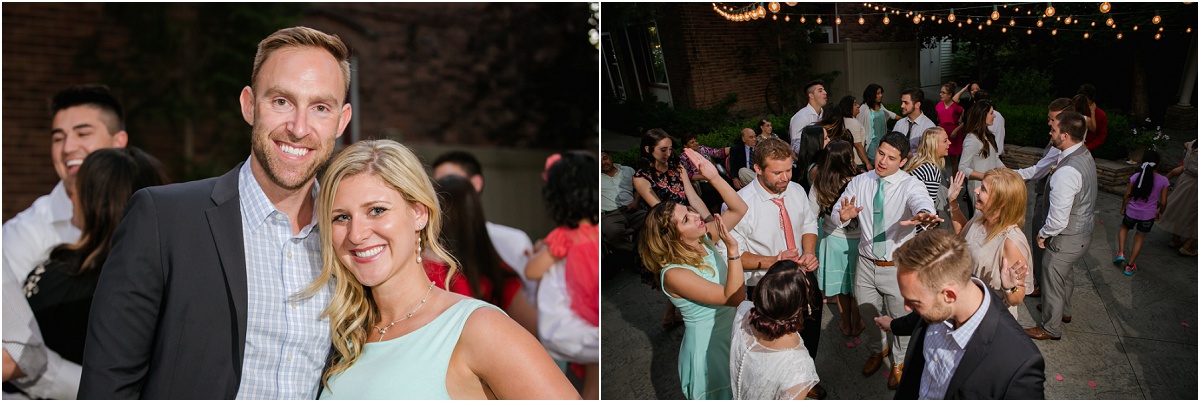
[195,300]
[970,346]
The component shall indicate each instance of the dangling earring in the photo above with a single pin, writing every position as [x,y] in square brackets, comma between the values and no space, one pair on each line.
[418,249]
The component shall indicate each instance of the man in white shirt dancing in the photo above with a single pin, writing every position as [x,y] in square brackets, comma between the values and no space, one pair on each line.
[893,204]
[817,98]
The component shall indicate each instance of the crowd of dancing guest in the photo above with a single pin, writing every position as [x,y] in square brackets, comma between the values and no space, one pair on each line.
[831,213]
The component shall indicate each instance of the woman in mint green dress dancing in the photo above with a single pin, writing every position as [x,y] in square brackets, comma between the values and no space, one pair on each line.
[703,282]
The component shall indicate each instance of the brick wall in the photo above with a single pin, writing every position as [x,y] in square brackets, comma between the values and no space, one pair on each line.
[707,54]
[484,75]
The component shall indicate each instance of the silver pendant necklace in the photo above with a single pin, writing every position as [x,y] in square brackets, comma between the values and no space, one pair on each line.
[410,314]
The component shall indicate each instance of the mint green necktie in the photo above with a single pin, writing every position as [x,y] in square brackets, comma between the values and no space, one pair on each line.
[878,245]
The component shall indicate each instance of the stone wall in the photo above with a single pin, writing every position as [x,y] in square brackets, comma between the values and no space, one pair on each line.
[1111,176]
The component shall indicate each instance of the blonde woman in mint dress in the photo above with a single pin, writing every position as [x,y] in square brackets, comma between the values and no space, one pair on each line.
[406,338]
[703,282]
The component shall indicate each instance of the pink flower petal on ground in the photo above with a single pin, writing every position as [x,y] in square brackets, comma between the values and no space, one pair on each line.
[887,373]
[1058,377]
[858,341]
[1185,324]
[1092,384]
[849,344]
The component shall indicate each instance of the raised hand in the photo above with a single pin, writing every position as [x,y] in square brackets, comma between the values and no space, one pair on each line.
[702,164]
[1012,274]
[956,186]
[731,244]
[849,211]
[922,218]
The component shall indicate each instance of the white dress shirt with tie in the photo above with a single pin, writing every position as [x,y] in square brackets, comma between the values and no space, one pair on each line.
[904,197]
[760,231]
[914,129]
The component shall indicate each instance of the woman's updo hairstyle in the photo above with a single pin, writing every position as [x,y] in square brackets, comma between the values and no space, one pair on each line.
[783,300]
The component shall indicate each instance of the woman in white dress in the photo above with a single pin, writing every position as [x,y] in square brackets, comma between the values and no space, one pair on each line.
[768,359]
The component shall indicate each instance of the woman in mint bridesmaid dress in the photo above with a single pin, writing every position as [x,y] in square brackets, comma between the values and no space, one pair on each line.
[395,334]
[703,282]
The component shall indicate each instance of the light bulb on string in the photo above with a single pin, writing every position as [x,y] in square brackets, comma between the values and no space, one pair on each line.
[995,13]
[886,20]
[1157,36]
[818,20]
[1003,29]
[1029,32]
[1109,22]
[988,22]
[774,6]
[1039,23]
[981,27]
[1157,19]
[802,19]
[1120,35]
[1017,9]
[1067,21]
[790,3]
[837,20]
[1189,30]
[787,18]
[1054,32]
[1012,22]
[774,17]
[861,20]
[1135,27]
[951,16]
[1093,23]
[960,24]
[1085,35]
[1049,9]
[1105,7]
[969,21]
[917,19]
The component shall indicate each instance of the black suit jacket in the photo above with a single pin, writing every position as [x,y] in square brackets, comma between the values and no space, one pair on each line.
[168,320]
[737,158]
[1000,361]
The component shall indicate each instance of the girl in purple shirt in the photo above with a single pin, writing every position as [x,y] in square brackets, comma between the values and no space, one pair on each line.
[1143,204]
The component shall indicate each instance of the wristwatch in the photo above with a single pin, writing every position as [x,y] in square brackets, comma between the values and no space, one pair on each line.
[1013,290]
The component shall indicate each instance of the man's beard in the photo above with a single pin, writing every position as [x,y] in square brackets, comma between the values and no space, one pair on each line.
[263,150]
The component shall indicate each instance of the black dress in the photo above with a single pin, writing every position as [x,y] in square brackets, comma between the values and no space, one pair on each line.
[61,300]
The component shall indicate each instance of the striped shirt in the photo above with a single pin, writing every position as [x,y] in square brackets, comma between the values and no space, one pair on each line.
[286,339]
[932,176]
[945,347]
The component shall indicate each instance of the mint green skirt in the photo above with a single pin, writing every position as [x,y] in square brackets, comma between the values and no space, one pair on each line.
[837,257]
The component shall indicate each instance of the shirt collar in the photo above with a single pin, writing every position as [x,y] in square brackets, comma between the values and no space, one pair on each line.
[894,178]
[963,334]
[766,195]
[1068,151]
[257,208]
[61,207]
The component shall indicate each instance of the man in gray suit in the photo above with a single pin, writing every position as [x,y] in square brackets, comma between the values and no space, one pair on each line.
[196,300]
[1070,198]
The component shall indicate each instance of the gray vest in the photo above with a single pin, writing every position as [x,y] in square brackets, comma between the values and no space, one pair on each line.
[1083,210]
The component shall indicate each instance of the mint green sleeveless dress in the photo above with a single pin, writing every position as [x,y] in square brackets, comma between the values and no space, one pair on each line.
[704,354]
[412,366]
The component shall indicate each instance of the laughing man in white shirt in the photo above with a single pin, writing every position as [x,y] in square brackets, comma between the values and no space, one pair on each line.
[811,113]
[887,219]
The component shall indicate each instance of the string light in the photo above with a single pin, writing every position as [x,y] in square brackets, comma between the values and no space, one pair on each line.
[1109,22]
[917,19]
[951,16]
[1160,29]
[981,27]
[774,17]
[1157,36]
[818,20]
[995,13]
[861,20]
[1039,23]
[1067,21]
[1054,32]
[1157,19]
[1120,35]
[837,20]
[1012,23]
[886,20]
[969,21]
[1135,27]
[774,6]
[802,19]
[1085,35]
[787,18]
[988,22]
[1003,29]
[1029,32]
[1093,23]
[960,25]
[1189,30]
[1105,7]
[790,3]
[1049,9]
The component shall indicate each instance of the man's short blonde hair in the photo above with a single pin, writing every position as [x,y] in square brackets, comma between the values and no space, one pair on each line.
[303,37]
[939,257]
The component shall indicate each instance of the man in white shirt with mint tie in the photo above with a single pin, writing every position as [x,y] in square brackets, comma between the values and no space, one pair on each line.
[889,204]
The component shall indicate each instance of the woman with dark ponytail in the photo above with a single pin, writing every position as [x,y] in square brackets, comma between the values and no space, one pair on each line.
[1144,202]
[768,359]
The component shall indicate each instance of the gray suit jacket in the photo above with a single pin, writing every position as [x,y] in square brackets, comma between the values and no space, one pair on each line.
[168,320]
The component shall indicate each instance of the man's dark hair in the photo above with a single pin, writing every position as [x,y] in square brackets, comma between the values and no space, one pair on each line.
[1060,104]
[1071,122]
[95,95]
[1089,91]
[980,95]
[463,159]
[813,83]
[916,94]
[899,141]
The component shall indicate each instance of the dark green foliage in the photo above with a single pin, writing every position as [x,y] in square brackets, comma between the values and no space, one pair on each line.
[1026,125]
[1025,86]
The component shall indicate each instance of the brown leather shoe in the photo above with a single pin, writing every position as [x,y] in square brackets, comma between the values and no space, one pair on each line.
[1066,319]
[1040,334]
[874,362]
[894,380]
[817,392]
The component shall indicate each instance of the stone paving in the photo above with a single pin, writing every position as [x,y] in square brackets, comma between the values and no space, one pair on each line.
[1135,337]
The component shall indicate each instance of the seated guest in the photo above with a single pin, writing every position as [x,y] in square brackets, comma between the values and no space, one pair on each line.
[394,335]
[715,155]
[768,360]
[994,234]
[567,264]
[967,346]
[60,289]
[677,245]
[741,159]
[465,238]
[620,214]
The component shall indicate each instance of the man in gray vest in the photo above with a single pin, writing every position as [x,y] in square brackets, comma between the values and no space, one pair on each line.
[1040,172]
[1066,235]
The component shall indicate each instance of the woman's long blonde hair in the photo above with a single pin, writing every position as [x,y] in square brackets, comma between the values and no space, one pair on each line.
[352,308]
[662,243]
[1006,200]
[927,150]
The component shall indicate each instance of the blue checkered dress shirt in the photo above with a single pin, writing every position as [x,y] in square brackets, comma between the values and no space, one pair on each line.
[286,340]
[945,347]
